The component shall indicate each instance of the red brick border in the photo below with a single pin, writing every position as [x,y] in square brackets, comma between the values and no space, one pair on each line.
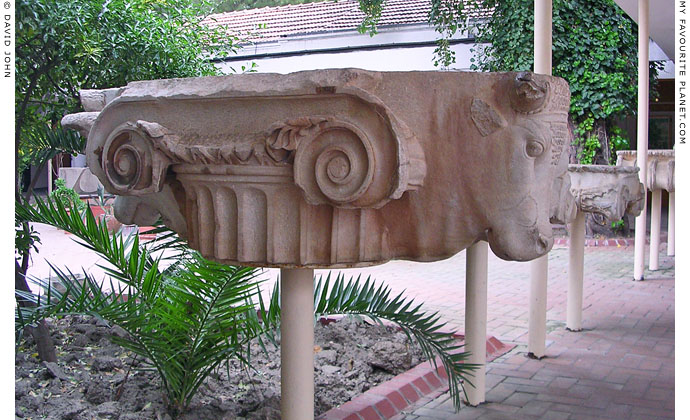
[617,242]
[390,398]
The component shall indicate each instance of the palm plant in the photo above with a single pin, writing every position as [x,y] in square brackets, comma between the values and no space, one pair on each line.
[186,316]
[41,143]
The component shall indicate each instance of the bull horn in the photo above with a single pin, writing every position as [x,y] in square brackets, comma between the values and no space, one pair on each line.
[529,93]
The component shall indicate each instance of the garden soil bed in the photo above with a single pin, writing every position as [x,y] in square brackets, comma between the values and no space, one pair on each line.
[350,357]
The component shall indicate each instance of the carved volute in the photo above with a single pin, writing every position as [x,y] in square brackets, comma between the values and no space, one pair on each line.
[335,168]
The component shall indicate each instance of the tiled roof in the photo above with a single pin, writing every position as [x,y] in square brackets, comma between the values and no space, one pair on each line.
[271,23]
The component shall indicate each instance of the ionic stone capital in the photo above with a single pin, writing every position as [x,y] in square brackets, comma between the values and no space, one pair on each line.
[336,168]
[660,167]
[610,191]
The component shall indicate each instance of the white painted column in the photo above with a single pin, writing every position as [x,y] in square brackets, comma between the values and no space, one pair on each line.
[655,231]
[671,249]
[642,130]
[539,268]
[50,176]
[536,343]
[576,265]
[543,12]
[475,318]
[297,344]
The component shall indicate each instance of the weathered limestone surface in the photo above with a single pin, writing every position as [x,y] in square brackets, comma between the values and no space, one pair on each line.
[338,168]
[610,191]
[660,167]
[80,180]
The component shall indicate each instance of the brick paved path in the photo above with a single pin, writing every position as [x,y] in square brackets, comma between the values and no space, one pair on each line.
[621,366]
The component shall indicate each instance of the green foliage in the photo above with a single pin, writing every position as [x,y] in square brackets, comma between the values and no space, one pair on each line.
[191,317]
[594,49]
[447,17]
[63,46]
[617,226]
[374,302]
[505,41]
[184,320]
[42,143]
[372,13]
[25,237]
[67,197]
[617,141]
[588,144]
[67,45]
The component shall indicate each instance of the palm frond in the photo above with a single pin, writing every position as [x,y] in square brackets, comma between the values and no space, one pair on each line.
[192,316]
[184,320]
[372,301]
[123,252]
[43,143]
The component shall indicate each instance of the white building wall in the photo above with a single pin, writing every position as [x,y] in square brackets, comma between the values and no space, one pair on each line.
[400,48]
[398,59]
[395,48]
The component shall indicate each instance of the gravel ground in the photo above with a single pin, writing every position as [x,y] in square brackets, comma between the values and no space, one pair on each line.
[90,380]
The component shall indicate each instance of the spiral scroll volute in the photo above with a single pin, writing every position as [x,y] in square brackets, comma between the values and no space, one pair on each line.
[131,162]
[337,163]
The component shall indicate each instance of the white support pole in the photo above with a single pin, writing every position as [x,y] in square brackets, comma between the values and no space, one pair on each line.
[642,128]
[671,249]
[536,343]
[50,176]
[539,268]
[297,344]
[543,12]
[475,318]
[576,265]
[655,231]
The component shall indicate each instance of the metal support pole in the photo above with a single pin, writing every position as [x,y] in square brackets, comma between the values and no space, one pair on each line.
[539,268]
[655,231]
[671,249]
[297,344]
[536,344]
[642,128]
[576,266]
[475,318]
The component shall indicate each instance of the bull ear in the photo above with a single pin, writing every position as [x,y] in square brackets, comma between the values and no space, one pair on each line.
[529,93]
[485,117]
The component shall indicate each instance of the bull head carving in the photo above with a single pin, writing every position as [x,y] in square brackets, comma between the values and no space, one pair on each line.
[338,168]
